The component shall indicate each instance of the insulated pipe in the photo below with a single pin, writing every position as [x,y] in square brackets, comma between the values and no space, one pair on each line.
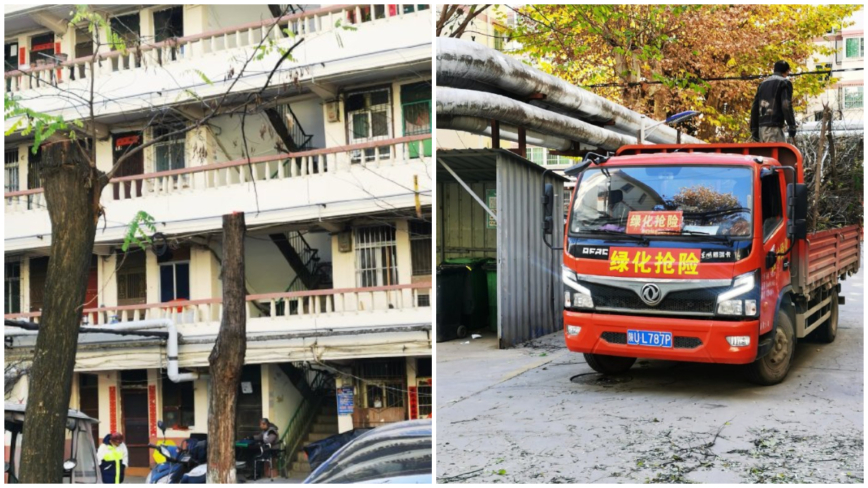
[508,132]
[454,101]
[466,64]
[837,125]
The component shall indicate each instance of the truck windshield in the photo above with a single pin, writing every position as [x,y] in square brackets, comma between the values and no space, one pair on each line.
[664,200]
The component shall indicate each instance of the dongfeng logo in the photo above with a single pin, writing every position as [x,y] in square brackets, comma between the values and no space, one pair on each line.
[651,294]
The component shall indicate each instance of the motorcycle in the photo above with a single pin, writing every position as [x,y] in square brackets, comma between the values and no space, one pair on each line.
[187,464]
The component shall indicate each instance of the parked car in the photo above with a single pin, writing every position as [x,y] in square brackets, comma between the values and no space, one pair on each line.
[80,467]
[394,453]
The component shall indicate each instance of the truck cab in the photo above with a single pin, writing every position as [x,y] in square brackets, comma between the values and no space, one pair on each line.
[696,253]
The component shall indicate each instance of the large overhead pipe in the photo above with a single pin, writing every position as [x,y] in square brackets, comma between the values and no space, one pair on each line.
[457,102]
[465,64]
[508,132]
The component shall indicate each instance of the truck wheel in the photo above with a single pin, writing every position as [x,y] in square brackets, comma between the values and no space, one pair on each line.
[827,332]
[772,368]
[609,364]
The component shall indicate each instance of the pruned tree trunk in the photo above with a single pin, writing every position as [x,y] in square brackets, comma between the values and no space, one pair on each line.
[818,168]
[72,190]
[227,357]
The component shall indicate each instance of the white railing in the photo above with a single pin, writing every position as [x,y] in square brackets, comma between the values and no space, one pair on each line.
[195,46]
[273,306]
[220,175]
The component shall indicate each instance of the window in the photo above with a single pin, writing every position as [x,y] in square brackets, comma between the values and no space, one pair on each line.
[178,411]
[853,97]
[41,49]
[174,281]
[376,258]
[10,61]
[420,247]
[11,167]
[854,47]
[169,153]
[772,212]
[535,154]
[384,383]
[369,119]
[424,391]
[416,114]
[12,297]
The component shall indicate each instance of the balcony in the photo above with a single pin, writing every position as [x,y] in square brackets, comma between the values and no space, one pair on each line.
[276,324]
[382,41]
[302,186]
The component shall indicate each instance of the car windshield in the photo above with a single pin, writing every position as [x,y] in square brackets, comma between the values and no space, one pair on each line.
[664,200]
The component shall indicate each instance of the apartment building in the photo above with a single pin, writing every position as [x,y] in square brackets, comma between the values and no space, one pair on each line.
[846,96]
[335,184]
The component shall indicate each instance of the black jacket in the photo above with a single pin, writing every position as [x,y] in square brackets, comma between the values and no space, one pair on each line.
[773,105]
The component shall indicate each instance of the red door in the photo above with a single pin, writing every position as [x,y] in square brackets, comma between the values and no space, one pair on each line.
[134,165]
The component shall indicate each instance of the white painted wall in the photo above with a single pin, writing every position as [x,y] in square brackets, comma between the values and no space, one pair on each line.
[222,16]
[280,397]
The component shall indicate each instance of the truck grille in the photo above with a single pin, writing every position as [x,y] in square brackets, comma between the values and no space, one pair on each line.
[679,342]
[699,300]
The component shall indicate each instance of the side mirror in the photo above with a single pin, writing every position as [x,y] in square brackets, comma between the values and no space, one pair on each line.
[797,210]
[162,427]
[548,208]
[801,202]
[800,229]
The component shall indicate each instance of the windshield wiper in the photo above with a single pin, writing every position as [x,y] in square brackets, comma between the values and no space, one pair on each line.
[721,212]
[723,237]
[640,238]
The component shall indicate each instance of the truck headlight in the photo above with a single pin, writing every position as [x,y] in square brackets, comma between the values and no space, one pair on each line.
[581,296]
[730,301]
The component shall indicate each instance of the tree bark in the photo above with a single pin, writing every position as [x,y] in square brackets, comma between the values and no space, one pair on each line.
[818,170]
[72,192]
[227,357]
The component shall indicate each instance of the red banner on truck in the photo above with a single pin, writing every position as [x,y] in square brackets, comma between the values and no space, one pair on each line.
[654,222]
[658,263]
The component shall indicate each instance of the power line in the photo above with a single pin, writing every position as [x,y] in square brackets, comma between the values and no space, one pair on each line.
[722,78]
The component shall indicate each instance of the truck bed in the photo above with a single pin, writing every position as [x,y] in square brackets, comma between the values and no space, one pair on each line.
[831,254]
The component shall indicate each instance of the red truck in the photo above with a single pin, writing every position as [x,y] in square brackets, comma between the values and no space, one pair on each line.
[698,253]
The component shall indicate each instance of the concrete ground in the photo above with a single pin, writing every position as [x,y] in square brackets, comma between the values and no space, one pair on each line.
[539,414]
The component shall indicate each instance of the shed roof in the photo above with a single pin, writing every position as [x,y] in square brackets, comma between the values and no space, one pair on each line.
[480,164]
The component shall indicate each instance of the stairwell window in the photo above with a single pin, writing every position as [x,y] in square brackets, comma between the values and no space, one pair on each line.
[169,153]
[12,295]
[369,119]
[376,257]
[11,170]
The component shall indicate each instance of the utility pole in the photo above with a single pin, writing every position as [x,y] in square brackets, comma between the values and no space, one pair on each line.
[227,357]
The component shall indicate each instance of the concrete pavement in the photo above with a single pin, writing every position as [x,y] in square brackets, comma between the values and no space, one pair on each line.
[539,414]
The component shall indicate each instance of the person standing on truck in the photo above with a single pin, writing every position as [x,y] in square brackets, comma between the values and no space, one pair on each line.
[772,106]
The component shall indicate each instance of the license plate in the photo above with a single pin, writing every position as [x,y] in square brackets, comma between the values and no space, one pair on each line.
[648,338]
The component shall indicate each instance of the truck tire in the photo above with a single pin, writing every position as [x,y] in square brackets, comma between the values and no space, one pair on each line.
[827,332]
[772,368]
[609,364]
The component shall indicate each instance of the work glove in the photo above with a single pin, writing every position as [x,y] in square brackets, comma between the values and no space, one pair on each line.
[792,132]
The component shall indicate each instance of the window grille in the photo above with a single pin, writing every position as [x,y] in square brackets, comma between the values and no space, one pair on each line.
[376,257]
[369,118]
[11,181]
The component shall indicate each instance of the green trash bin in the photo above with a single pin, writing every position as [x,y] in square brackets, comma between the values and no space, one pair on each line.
[475,306]
[490,269]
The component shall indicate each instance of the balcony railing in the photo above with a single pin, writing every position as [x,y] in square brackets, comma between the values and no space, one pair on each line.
[195,46]
[263,168]
[271,306]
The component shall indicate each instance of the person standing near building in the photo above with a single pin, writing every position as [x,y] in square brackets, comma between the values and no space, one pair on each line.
[773,106]
[113,458]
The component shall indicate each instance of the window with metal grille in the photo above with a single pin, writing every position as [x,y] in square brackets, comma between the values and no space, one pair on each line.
[369,119]
[384,382]
[11,167]
[416,114]
[424,391]
[420,247]
[178,411]
[12,296]
[376,257]
[535,154]
[423,301]
[853,97]
[169,153]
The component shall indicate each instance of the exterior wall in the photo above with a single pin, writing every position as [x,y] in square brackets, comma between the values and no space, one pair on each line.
[280,398]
